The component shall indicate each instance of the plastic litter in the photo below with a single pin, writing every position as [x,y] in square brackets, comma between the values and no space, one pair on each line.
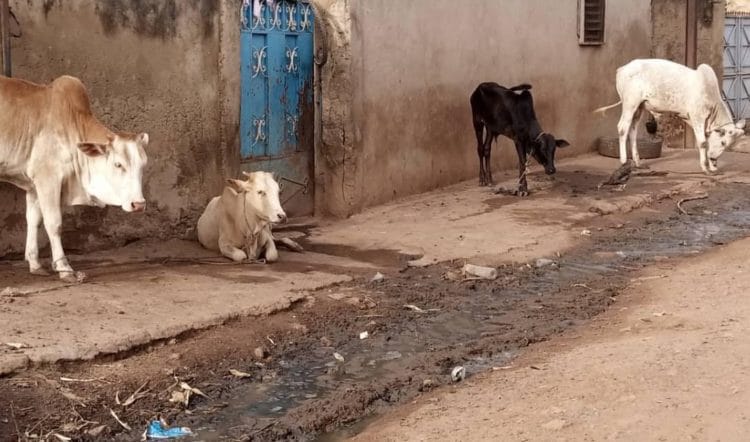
[378,277]
[157,430]
[480,271]
[458,374]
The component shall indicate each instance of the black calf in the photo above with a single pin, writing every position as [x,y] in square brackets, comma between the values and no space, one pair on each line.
[497,110]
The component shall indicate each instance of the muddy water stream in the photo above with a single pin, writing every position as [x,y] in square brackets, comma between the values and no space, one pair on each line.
[325,384]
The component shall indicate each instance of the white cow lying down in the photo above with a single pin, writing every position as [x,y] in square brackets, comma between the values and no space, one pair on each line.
[238,223]
[665,87]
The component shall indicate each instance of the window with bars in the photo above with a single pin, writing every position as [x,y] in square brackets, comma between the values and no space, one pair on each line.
[591,22]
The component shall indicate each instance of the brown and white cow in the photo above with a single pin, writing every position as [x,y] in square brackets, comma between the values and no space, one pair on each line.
[53,147]
[238,222]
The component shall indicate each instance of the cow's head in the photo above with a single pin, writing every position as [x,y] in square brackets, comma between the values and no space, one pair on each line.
[259,194]
[115,170]
[543,150]
[723,138]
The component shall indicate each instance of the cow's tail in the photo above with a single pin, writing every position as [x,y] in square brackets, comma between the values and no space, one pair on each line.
[604,109]
[521,87]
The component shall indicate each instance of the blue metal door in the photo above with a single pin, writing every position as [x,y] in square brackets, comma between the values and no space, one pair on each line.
[276,109]
[736,81]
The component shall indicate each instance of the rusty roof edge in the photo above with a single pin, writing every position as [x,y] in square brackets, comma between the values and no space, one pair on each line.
[738,7]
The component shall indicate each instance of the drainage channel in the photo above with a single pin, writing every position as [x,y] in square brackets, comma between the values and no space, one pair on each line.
[326,384]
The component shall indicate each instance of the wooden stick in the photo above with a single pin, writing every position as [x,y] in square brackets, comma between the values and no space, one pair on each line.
[690,198]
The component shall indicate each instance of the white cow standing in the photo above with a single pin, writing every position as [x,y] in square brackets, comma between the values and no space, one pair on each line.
[53,147]
[665,87]
[238,222]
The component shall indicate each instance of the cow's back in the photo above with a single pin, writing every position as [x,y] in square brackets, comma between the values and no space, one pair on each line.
[31,111]
[24,113]
[665,85]
[490,105]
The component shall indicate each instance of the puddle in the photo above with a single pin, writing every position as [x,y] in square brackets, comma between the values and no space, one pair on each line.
[307,394]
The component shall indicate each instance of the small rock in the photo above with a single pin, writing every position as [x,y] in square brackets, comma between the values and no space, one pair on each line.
[391,355]
[10,291]
[378,277]
[338,357]
[364,335]
[260,352]
[555,424]
[172,341]
[276,409]
[452,276]
[458,374]
[543,262]
[585,232]
[300,327]
[354,300]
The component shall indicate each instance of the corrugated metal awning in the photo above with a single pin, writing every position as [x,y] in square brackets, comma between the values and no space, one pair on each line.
[738,7]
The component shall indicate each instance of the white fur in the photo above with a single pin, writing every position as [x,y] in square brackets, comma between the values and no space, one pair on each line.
[662,86]
[238,222]
[53,147]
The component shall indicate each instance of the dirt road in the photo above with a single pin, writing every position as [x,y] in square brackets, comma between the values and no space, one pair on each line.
[670,362]
[305,370]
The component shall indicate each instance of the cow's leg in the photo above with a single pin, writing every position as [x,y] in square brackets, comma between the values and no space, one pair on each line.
[487,152]
[49,203]
[230,251]
[623,129]
[33,220]
[523,166]
[271,253]
[478,131]
[702,144]
[633,136]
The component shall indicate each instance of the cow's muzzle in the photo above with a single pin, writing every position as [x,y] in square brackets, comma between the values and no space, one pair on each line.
[138,206]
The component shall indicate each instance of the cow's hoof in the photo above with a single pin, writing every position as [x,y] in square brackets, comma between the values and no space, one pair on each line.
[73,277]
[41,271]
[522,193]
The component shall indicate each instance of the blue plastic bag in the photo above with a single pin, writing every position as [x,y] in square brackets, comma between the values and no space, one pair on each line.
[156,430]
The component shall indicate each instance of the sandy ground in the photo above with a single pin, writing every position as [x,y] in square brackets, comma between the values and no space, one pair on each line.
[671,363]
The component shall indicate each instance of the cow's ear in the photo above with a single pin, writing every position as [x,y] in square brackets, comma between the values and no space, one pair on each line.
[236,186]
[93,149]
[561,143]
[142,139]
